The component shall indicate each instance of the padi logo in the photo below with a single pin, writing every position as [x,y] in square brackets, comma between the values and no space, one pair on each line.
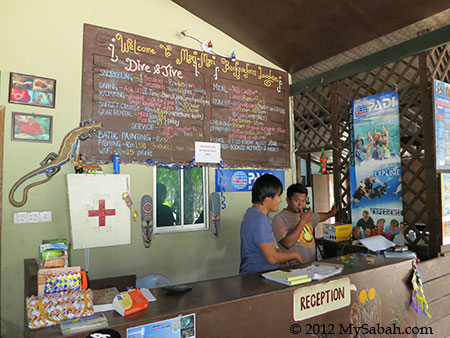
[239,180]
[381,104]
[374,105]
[361,110]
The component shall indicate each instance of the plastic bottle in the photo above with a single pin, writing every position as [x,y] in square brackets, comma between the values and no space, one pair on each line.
[116,163]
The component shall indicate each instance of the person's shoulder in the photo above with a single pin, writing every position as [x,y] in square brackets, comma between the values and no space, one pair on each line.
[282,213]
[280,217]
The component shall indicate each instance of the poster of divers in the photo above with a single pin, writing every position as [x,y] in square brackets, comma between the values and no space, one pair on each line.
[375,170]
[441,95]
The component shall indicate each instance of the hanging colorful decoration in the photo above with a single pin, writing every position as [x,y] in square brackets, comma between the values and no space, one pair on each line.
[191,164]
[172,165]
[222,165]
[418,297]
[127,198]
[323,162]
[207,46]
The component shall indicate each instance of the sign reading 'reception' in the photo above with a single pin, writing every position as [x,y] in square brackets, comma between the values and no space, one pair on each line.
[322,298]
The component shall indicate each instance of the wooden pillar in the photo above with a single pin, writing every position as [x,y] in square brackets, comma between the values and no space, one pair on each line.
[431,178]
[308,170]
[336,153]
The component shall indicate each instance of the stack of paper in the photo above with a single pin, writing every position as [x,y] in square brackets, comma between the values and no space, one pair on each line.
[320,270]
[89,323]
[376,243]
[405,254]
[286,277]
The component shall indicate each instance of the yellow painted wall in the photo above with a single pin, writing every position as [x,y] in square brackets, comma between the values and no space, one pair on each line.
[45,38]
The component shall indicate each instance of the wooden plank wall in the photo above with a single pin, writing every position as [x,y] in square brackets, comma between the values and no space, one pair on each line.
[435,275]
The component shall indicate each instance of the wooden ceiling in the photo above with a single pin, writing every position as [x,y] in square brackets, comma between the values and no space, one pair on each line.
[295,34]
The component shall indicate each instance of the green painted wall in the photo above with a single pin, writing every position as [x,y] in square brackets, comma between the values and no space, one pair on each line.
[45,38]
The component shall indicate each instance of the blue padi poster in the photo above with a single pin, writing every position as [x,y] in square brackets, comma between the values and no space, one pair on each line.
[228,180]
[441,91]
[375,170]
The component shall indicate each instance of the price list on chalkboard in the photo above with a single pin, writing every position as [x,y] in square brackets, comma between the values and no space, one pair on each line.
[156,99]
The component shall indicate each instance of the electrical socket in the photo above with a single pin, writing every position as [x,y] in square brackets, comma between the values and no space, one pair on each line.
[33,216]
[20,217]
[45,216]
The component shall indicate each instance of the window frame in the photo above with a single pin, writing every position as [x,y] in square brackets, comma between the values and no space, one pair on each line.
[182,227]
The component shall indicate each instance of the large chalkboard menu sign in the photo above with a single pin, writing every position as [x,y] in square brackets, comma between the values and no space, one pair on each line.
[156,99]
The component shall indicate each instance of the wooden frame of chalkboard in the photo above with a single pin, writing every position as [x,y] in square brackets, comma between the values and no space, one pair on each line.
[156,99]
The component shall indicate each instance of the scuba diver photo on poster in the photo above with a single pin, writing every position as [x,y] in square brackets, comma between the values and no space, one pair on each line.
[375,170]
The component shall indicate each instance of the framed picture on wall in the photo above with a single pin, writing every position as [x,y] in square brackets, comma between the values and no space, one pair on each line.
[32,90]
[31,127]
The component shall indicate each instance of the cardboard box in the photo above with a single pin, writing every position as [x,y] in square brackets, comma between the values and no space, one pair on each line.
[337,232]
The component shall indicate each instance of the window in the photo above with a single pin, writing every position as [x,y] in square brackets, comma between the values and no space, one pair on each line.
[181,199]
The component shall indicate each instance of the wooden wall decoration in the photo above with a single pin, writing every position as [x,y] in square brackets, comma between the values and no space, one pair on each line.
[321,121]
[156,99]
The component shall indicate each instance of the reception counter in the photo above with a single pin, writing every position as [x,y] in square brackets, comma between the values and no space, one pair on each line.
[376,292]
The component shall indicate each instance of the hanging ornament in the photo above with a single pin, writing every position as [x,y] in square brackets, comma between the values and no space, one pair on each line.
[207,46]
[418,297]
[323,162]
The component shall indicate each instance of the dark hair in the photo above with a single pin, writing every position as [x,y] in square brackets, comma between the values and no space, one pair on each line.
[365,212]
[266,185]
[296,188]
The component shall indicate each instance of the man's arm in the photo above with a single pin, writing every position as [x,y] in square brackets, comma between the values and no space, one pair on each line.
[326,215]
[274,256]
[292,236]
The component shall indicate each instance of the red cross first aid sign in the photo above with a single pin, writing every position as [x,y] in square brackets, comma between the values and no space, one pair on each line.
[98,214]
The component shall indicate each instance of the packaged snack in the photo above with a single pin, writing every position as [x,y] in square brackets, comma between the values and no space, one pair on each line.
[54,254]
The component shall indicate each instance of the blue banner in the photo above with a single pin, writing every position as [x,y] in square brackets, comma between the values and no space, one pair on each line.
[441,94]
[242,179]
[375,170]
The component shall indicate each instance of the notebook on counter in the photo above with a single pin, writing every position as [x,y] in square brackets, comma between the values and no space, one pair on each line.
[286,277]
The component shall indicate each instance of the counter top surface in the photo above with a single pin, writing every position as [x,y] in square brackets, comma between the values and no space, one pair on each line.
[208,293]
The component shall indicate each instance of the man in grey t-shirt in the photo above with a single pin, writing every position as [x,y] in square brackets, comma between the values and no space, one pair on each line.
[293,227]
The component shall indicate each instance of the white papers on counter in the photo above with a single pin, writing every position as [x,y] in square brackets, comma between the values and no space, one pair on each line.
[319,270]
[376,243]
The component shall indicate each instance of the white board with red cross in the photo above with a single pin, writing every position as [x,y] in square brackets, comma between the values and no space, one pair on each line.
[98,214]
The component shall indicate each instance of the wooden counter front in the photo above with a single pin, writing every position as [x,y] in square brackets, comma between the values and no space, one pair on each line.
[251,306]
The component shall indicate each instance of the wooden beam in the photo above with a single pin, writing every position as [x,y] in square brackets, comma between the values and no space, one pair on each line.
[405,49]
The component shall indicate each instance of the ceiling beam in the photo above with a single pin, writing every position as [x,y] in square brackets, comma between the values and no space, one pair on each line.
[414,46]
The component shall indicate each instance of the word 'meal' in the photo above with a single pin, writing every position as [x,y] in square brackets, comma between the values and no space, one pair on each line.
[166,71]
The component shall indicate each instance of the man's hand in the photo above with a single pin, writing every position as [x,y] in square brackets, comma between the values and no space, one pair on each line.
[299,257]
[305,217]
[333,210]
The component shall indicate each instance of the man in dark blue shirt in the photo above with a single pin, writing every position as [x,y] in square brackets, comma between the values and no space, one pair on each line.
[258,251]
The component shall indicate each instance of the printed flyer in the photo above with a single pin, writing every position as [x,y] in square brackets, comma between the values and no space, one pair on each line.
[375,170]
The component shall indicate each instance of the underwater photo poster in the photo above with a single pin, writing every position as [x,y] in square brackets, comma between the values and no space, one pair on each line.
[31,127]
[441,105]
[375,162]
[32,90]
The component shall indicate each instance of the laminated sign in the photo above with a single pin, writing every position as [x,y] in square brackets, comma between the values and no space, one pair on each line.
[322,298]
[98,214]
